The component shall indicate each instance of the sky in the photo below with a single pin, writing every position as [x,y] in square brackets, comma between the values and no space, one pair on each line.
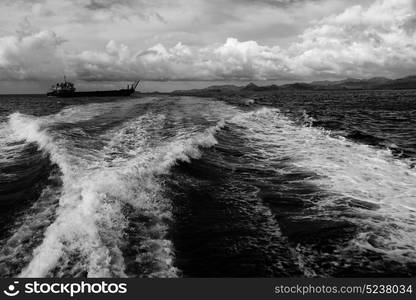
[105,42]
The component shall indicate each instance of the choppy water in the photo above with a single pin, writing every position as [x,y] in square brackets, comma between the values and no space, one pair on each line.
[182,186]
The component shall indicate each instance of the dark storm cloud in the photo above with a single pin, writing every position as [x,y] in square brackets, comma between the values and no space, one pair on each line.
[278,3]
[145,10]
[107,4]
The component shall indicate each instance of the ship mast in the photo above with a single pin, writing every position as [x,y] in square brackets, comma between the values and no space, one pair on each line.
[135,84]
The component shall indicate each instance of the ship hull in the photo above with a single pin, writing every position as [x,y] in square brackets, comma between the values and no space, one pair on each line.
[114,93]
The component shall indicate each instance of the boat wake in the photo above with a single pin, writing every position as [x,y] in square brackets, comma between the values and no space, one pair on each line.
[139,187]
[363,191]
[107,190]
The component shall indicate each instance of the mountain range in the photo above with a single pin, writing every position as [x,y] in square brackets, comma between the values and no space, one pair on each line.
[376,83]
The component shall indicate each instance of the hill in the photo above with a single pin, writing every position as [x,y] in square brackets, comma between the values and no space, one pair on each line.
[376,83]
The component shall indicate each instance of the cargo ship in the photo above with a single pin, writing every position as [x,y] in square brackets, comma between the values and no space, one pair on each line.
[67,89]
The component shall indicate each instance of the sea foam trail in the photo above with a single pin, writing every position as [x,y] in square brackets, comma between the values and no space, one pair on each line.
[348,172]
[15,249]
[22,171]
[86,238]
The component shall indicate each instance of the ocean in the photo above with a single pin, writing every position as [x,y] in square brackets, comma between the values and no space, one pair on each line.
[302,184]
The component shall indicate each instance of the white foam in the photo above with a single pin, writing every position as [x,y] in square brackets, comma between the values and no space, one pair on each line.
[347,170]
[16,249]
[87,234]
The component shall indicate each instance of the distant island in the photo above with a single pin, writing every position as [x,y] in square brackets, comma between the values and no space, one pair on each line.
[376,83]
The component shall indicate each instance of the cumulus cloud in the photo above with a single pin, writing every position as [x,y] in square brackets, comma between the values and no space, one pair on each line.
[31,57]
[231,60]
[362,41]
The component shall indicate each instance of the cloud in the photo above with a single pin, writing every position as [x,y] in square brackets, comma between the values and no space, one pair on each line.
[231,60]
[278,3]
[124,9]
[110,4]
[361,41]
[31,57]
[96,4]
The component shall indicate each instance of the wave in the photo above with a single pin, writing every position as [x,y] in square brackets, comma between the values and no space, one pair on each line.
[110,214]
[98,187]
[350,173]
[28,230]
